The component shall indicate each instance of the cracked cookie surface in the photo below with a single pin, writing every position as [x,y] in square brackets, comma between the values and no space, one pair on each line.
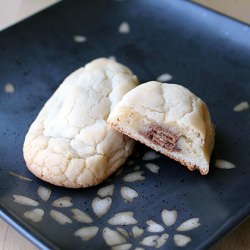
[69,143]
[170,119]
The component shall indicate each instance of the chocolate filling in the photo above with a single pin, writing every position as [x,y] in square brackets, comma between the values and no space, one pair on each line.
[163,137]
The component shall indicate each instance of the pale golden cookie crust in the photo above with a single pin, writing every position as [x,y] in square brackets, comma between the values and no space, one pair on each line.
[171,108]
[70,143]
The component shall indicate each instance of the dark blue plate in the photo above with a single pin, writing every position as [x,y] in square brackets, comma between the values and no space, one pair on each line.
[206,52]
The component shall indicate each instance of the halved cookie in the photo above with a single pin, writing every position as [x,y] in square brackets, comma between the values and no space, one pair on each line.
[69,143]
[170,119]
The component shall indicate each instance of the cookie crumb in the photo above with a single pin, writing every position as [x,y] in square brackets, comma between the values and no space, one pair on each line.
[9,88]
[241,106]
[79,39]
[124,28]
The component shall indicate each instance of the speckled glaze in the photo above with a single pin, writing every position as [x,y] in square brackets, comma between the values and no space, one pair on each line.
[207,53]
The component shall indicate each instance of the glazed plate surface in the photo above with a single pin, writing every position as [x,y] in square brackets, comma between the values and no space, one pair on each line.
[200,49]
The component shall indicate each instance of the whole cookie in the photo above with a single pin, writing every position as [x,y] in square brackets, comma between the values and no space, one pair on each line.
[69,143]
[170,119]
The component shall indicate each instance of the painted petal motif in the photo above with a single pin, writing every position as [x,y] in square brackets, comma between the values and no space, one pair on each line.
[63,202]
[241,107]
[135,176]
[101,206]
[9,88]
[23,200]
[150,241]
[150,155]
[44,193]
[21,177]
[81,216]
[123,218]
[79,39]
[106,191]
[113,58]
[112,237]
[34,215]
[189,225]
[164,77]
[224,164]
[126,246]
[181,240]
[162,240]
[60,217]
[169,217]
[128,194]
[137,232]
[123,231]
[124,28]
[152,167]
[154,227]
[87,233]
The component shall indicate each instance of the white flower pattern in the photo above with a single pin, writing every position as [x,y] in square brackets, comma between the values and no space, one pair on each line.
[169,218]
[121,230]
[36,215]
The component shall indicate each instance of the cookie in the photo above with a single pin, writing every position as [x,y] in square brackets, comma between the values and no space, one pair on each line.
[169,119]
[70,144]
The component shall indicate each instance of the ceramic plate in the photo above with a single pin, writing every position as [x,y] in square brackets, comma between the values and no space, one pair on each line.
[166,206]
